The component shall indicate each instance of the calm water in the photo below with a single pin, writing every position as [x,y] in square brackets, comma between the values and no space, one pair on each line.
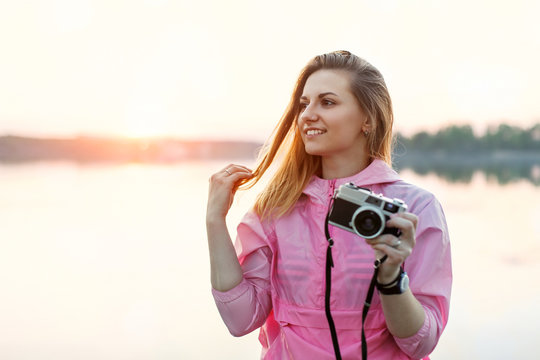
[110,262]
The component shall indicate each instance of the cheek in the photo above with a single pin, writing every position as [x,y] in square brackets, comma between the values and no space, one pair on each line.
[348,135]
[351,123]
[299,122]
[298,134]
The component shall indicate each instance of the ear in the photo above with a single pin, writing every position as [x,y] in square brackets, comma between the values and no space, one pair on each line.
[366,126]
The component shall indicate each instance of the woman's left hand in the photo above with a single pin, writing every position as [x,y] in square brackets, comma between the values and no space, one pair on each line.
[397,249]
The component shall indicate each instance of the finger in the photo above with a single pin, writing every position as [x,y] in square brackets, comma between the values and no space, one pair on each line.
[402,251]
[241,167]
[239,175]
[395,255]
[235,167]
[406,226]
[230,170]
[390,267]
[394,244]
[409,216]
[229,181]
[227,170]
[386,239]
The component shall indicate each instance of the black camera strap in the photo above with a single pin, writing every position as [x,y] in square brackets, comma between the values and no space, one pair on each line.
[367,302]
[329,266]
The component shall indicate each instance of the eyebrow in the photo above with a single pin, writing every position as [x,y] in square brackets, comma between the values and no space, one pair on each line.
[321,95]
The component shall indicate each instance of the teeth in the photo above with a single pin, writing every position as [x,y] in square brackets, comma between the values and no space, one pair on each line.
[314,132]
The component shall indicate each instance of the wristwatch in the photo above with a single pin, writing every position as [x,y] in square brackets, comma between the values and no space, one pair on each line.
[397,286]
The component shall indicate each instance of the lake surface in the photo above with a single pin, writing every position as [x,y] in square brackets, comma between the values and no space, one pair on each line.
[105,261]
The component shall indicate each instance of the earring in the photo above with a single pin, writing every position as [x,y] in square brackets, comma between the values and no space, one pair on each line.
[366,133]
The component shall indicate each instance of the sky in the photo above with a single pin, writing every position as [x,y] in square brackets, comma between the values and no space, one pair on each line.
[225,69]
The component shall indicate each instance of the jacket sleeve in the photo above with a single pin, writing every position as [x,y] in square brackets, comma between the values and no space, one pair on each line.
[430,271]
[246,307]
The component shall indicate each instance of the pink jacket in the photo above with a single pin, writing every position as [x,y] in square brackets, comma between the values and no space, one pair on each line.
[284,277]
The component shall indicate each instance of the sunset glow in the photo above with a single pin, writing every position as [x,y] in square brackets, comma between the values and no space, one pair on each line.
[217,70]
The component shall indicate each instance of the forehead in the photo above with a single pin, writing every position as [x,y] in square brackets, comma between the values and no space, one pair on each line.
[321,81]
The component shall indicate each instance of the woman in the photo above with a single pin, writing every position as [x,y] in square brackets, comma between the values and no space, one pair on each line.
[337,129]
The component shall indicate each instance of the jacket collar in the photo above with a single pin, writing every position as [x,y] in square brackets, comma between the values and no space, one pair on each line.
[378,172]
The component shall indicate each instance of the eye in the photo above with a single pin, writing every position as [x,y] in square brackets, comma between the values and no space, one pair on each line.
[303,105]
[328,102]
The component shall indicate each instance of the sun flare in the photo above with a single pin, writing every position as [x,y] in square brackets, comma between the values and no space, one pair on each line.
[146,119]
[141,132]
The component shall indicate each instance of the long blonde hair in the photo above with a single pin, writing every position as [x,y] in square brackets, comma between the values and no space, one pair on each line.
[297,167]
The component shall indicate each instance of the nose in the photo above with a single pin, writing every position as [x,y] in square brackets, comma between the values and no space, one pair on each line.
[309,114]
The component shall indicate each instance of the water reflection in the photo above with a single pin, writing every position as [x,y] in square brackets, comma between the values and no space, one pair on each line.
[462,170]
[116,255]
[501,170]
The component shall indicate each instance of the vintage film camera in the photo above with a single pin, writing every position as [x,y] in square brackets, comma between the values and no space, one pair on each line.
[363,212]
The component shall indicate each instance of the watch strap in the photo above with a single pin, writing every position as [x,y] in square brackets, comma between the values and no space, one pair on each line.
[391,282]
[394,287]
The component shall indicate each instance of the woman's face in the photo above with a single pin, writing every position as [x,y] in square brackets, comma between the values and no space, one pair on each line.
[331,121]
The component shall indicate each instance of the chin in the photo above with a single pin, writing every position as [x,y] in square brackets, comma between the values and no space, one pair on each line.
[314,150]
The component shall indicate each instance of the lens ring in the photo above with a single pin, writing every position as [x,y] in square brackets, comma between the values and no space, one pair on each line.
[368,222]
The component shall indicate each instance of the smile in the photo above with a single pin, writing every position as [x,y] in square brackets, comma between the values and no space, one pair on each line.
[313,132]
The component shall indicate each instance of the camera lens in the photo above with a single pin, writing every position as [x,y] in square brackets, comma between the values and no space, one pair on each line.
[367,223]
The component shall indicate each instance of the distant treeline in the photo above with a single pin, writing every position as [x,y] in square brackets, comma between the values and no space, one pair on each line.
[451,145]
[461,139]
[505,153]
[97,149]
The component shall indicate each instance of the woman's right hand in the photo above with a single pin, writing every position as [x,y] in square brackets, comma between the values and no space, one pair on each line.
[223,185]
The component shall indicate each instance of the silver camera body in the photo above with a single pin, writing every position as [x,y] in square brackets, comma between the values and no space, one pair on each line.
[363,212]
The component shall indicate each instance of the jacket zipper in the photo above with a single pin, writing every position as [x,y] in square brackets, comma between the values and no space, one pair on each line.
[332,190]
[331,196]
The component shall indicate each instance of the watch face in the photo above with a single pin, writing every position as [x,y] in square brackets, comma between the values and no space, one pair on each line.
[404,283]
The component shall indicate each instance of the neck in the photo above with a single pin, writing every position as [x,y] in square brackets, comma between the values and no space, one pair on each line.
[339,167]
